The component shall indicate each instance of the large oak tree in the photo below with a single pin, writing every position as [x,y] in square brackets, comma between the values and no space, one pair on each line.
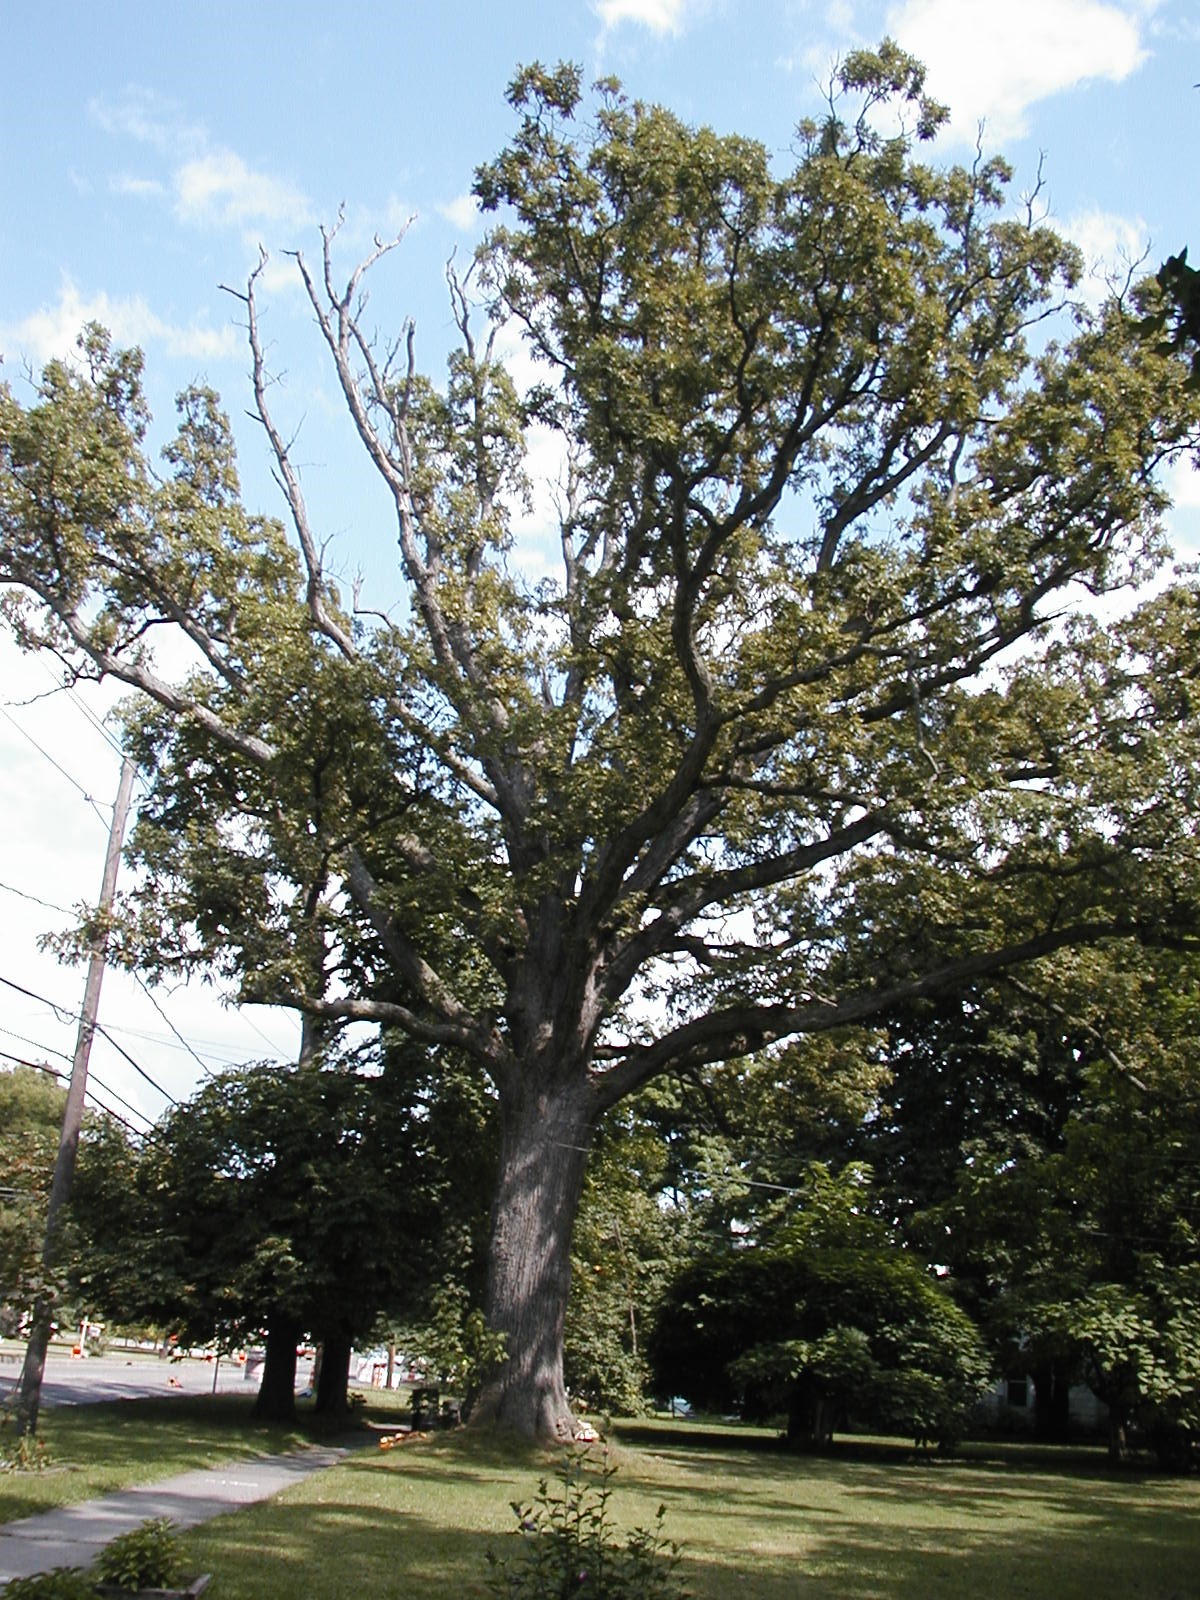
[756,761]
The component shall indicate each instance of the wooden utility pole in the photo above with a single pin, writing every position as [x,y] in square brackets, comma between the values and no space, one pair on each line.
[29,1393]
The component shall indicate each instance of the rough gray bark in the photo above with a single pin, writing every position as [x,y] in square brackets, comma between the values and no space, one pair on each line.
[332,1383]
[276,1400]
[546,1136]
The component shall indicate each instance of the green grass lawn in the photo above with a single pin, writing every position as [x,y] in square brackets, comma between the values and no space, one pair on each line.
[95,1449]
[873,1521]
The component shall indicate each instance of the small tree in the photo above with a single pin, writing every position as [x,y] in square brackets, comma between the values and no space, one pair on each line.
[31,1111]
[828,1324]
[304,1201]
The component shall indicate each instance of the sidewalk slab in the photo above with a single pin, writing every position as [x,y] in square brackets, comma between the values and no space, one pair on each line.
[73,1536]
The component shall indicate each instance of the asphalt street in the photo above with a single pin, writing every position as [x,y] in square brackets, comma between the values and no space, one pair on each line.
[74,1381]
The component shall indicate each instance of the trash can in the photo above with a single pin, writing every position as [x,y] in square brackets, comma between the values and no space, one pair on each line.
[426,1406]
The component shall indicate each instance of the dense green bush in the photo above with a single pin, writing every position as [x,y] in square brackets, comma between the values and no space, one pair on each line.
[63,1583]
[567,1545]
[147,1557]
[830,1332]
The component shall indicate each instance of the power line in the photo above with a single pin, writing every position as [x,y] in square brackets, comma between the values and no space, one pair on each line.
[64,1015]
[85,710]
[62,1077]
[109,1090]
[81,705]
[34,899]
[25,1039]
[196,1057]
[158,1037]
[121,1051]
[138,1033]
[223,1056]
[58,767]
[275,1050]
[62,1055]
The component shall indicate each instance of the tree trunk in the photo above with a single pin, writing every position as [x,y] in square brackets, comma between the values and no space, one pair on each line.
[1118,1432]
[1052,1401]
[810,1418]
[544,1148]
[276,1400]
[332,1397]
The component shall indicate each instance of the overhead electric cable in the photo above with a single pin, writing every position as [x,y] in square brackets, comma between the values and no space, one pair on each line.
[224,1058]
[121,1051]
[62,1013]
[58,767]
[145,988]
[63,1077]
[81,705]
[65,1015]
[275,1050]
[29,1390]
[209,1050]
[25,1039]
[34,899]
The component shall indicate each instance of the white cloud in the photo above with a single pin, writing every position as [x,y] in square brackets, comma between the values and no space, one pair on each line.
[1183,484]
[52,330]
[661,16]
[148,117]
[1111,246]
[992,63]
[220,188]
[209,187]
[461,211]
[140,188]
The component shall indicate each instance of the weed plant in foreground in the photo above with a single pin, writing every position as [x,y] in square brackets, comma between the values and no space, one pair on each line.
[567,1545]
[877,1523]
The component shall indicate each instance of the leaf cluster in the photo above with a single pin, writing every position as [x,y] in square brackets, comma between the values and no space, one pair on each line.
[829,1323]
[145,1557]
[568,1545]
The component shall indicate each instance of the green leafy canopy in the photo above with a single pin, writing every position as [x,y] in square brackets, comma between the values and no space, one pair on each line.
[756,759]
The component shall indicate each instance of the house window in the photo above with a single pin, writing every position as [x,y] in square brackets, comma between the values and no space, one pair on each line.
[1018,1392]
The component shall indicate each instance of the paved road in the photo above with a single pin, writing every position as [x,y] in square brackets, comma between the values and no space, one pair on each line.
[71,1382]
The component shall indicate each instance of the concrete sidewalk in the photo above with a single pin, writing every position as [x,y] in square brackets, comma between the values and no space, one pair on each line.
[73,1536]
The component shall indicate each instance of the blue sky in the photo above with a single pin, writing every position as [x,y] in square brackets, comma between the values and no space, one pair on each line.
[147,152]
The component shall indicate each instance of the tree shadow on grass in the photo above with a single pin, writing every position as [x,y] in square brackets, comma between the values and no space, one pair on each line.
[899,1533]
[287,1550]
[95,1449]
[420,1524]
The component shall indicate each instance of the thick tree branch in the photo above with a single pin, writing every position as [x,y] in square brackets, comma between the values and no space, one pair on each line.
[728,1032]
[139,676]
[681,901]
[287,477]
[484,1041]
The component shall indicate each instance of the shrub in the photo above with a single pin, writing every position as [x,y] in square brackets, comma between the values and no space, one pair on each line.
[25,1454]
[147,1557]
[63,1583]
[567,1546]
